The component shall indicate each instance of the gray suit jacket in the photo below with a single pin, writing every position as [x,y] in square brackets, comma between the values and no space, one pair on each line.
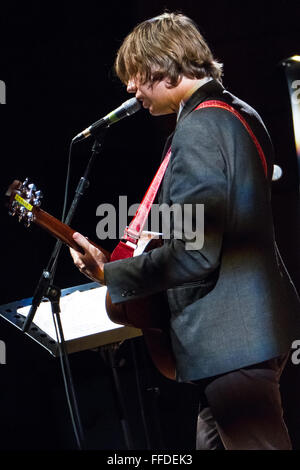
[232,302]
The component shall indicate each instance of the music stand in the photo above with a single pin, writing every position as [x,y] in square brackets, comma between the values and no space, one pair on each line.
[83,316]
[85,325]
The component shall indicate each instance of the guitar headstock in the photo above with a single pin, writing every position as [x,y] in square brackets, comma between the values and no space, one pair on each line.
[23,199]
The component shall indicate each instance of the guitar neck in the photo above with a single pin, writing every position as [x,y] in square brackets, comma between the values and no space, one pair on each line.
[60,230]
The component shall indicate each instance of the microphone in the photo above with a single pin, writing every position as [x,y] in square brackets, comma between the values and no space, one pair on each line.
[130,106]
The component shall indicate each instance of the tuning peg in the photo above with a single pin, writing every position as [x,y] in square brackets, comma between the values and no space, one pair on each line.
[31,189]
[21,214]
[24,184]
[37,199]
[28,219]
[36,202]
[13,208]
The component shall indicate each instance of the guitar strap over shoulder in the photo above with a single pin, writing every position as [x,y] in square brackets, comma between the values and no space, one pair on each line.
[223,105]
[126,247]
[128,244]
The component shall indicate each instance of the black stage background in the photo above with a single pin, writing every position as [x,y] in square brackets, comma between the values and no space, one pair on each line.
[57,62]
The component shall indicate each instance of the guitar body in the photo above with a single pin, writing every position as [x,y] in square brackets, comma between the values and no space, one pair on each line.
[150,314]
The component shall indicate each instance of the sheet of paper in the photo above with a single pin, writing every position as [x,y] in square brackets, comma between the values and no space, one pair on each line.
[82,314]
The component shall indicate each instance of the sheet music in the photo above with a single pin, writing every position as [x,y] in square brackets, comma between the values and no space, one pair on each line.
[82,313]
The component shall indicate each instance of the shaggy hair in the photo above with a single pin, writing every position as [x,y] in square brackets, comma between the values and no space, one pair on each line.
[167,46]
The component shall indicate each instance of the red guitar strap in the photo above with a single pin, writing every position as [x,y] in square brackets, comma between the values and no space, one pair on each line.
[126,247]
[223,105]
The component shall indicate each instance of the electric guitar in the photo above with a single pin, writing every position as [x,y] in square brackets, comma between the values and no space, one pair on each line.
[150,314]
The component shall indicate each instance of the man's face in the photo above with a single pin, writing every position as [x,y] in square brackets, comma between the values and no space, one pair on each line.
[158,97]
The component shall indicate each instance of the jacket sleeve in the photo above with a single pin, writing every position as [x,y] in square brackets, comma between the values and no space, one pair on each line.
[198,176]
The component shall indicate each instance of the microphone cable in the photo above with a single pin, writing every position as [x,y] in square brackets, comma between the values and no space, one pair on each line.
[63,356]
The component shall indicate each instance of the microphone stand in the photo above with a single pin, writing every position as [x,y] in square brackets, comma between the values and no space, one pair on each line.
[45,288]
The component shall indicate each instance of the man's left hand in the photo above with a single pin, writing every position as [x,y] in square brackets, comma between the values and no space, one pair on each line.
[91,263]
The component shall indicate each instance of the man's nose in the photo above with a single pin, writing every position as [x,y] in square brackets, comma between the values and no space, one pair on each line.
[131,86]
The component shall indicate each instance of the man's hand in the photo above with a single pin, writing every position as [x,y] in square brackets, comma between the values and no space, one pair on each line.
[91,263]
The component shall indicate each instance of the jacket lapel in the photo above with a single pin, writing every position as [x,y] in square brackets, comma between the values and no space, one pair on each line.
[207,91]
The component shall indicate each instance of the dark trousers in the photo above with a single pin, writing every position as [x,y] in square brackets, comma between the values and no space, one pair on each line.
[242,410]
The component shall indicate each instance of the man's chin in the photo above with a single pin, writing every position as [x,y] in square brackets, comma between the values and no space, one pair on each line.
[157,112]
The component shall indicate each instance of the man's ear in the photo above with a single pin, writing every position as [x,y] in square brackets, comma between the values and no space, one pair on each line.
[168,82]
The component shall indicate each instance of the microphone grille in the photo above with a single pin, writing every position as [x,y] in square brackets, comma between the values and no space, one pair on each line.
[132,106]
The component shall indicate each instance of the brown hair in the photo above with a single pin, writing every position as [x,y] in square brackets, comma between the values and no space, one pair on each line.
[169,45]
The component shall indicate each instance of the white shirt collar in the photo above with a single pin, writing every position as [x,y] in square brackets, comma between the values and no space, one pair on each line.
[199,84]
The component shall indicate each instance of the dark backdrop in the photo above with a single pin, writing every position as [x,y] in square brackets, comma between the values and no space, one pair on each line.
[57,63]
